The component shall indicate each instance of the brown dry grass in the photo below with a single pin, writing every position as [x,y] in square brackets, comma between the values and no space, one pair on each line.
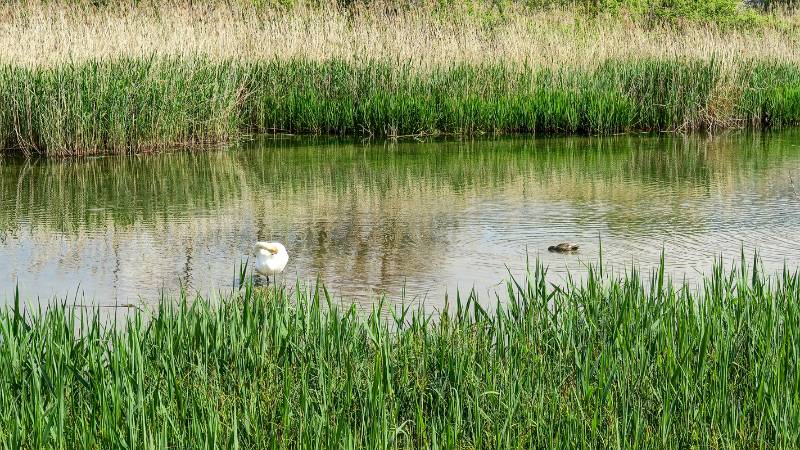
[53,34]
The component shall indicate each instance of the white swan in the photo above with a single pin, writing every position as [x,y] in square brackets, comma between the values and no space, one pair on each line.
[271,258]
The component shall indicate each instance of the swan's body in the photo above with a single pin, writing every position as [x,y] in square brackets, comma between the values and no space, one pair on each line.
[564,247]
[271,258]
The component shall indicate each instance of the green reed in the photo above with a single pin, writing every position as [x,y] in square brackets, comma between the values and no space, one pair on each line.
[141,104]
[605,362]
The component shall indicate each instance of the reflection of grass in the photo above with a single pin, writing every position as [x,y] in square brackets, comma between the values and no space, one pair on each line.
[608,363]
[79,194]
[84,108]
[290,177]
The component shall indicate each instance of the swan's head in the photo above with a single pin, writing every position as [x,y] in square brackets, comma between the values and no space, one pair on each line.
[272,248]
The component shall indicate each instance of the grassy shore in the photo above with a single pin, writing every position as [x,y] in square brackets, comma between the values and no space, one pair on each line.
[97,107]
[608,362]
[76,79]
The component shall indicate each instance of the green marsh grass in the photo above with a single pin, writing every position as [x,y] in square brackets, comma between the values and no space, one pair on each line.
[610,361]
[144,104]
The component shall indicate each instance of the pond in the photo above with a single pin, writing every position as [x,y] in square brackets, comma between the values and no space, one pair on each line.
[410,218]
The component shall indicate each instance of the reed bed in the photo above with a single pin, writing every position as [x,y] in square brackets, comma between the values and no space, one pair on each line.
[611,361]
[56,32]
[145,104]
[78,79]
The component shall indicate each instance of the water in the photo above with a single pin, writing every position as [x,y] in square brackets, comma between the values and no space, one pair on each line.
[416,217]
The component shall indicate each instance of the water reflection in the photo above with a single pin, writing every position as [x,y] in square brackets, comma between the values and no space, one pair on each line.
[382,218]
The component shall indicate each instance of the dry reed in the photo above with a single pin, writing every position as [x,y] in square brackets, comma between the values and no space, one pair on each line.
[53,34]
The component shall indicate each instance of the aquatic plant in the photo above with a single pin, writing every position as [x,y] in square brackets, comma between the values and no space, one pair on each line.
[142,104]
[96,77]
[631,361]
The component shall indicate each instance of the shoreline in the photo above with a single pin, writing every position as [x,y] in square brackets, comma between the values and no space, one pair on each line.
[81,80]
[144,105]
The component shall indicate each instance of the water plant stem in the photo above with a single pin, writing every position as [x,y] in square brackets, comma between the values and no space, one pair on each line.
[606,362]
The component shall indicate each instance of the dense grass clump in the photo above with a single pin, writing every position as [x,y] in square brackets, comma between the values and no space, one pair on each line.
[608,362]
[136,104]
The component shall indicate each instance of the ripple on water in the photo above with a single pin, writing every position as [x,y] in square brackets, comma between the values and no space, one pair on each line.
[429,219]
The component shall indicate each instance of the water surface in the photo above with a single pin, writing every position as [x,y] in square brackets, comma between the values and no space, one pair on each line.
[419,218]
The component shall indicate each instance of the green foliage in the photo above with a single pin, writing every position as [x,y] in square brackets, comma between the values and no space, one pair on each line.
[722,12]
[609,362]
[140,104]
[769,5]
[772,94]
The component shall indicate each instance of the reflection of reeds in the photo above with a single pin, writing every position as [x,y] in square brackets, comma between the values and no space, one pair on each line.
[343,182]
[82,108]
[612,362]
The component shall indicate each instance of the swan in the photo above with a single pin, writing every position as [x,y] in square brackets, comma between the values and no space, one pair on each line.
[564,247]
[271,258]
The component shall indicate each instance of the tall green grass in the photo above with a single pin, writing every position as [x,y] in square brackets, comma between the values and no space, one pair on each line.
[607,362]
[140,104]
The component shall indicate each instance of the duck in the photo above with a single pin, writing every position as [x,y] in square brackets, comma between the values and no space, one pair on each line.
[564,247]
[271,258]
